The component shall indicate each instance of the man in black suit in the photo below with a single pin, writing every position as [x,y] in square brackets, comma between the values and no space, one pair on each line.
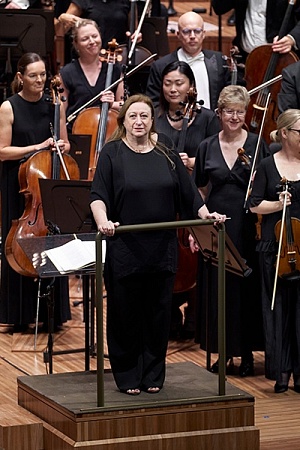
[258,23]
[209,66]
[289,95]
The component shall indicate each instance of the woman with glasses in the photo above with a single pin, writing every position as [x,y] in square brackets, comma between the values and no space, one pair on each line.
[277,186]
[222,177]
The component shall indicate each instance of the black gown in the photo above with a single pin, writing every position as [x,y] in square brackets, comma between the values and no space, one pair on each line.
[140,267]
[227,195]
[205,124]
[282,324]
[18,294]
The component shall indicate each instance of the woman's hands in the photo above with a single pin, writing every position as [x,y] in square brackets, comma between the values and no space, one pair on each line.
[108,228]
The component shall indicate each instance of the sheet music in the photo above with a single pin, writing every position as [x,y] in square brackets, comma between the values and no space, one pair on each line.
[74,255]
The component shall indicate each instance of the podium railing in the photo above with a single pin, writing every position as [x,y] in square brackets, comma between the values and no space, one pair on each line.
[221,294]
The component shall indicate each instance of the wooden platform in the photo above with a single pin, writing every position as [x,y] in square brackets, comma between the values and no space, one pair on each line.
[186,414]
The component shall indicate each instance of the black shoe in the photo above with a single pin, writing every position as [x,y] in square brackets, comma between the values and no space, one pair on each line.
[246,368]
[229,366]
[280,388]
[282,384]
[296,383]
[231,20]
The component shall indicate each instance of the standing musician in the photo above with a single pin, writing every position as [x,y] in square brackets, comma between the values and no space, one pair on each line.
[208,66]
[25,129]
[177,80]
[258,22]
[85,77]
[139,179]
[281,324]
[222,171]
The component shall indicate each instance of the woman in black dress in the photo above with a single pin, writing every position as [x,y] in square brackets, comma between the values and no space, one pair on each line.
[25,128]
[177,80]
[85,77]
[281,324]
[223,178]
[139,180]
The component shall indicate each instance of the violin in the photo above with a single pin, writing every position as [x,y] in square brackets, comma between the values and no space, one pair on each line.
[42,164]
[289,252]
[262,65]
[100,124]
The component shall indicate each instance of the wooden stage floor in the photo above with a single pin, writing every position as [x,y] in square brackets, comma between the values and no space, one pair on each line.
[276,415]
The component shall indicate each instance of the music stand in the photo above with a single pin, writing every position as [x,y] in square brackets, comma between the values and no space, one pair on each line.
[29,30]
[66,205]
[24,31]
[207,240]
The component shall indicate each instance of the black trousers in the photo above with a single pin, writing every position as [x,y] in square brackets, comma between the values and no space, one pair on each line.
[138,323]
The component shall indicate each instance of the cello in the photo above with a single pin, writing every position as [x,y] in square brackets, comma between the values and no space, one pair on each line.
[270,65]
[99,124]
[42,164]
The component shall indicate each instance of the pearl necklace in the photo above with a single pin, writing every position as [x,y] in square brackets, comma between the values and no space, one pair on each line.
[173,119]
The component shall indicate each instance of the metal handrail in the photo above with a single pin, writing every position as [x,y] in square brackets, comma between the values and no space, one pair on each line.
[221,294]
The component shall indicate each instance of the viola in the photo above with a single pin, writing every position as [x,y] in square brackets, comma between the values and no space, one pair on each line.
[42,164]
[99,123]
[262,65]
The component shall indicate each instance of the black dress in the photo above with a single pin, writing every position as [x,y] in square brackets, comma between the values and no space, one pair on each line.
[281,325]
[205,124]
[227,195]
[80,91]
[140,267]
[110,15]
[18,295]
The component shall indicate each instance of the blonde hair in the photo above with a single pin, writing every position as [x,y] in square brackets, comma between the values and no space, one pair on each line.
[233,94]
[80,24]
[285,121]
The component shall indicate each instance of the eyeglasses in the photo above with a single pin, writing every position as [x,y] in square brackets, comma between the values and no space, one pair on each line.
[232,112]
[188,32]
[293,129]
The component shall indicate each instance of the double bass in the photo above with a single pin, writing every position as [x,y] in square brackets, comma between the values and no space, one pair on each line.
[42,164]
[262,65]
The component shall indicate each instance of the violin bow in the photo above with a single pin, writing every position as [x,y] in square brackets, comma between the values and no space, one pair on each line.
[138,30]
[257,150]
[115,83]
[284,180]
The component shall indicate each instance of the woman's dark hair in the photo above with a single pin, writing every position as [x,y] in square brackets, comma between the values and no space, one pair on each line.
[24,61]
[183,68]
